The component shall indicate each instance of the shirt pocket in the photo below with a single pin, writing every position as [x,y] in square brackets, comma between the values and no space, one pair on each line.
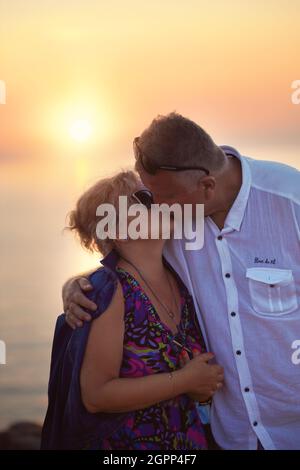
[272,291]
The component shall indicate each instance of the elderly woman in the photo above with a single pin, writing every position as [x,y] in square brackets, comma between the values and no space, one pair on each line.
[134,376]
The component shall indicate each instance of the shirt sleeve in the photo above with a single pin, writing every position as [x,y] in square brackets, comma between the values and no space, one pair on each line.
[296,212]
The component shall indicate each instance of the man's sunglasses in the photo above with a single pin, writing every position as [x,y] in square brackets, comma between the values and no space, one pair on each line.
[152,168]
[144,196]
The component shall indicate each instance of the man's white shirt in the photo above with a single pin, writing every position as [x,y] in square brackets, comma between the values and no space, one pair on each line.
[245,282]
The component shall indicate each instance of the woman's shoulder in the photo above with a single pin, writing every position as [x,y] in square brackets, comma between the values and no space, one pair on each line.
[101,277]
[104,282]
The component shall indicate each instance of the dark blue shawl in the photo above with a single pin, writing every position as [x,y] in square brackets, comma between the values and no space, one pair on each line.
[68,425]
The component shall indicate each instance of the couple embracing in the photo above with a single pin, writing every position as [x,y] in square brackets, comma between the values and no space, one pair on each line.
[161,340]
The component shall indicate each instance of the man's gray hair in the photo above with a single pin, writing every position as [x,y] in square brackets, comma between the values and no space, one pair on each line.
[176,140]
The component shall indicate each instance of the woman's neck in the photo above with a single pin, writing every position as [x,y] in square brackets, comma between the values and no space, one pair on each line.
[145,255]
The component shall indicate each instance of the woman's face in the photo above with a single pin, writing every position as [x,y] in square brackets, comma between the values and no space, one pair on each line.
[160,222]
[147,220]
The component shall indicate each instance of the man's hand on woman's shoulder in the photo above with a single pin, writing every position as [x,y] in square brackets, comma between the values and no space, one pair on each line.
[75,301]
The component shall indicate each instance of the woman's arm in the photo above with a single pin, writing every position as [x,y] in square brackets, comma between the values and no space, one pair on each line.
[103,390]
[101,387]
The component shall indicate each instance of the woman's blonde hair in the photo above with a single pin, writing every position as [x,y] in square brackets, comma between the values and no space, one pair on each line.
[83,219]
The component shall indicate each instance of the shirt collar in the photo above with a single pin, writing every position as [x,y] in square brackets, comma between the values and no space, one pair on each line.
[236,214]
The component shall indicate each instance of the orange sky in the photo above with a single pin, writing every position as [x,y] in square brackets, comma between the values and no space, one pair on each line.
[227,64]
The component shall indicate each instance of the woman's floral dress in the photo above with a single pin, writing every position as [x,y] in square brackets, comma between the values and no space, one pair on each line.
[149,349]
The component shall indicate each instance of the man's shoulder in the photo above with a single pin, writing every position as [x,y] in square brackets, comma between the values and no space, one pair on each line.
[276,178]
[269,176]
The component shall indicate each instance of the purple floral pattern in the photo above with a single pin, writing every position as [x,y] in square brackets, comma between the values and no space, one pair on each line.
[148,349]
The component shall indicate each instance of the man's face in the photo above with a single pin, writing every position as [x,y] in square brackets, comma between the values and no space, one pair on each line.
[169,188]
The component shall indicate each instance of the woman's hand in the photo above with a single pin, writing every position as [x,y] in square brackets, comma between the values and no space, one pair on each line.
[203,379]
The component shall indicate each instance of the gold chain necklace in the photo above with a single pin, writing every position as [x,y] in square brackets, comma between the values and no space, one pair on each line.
[166,308]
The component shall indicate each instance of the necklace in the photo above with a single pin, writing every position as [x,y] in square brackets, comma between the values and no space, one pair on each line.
[172,293]
[178,341]
[165,307]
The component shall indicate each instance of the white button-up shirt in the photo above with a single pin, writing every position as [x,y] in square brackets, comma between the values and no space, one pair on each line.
[245,282]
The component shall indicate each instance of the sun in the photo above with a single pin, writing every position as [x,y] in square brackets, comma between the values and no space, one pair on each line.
[80,130]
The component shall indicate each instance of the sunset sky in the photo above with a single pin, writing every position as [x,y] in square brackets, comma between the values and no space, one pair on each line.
[83,78]
[228,65]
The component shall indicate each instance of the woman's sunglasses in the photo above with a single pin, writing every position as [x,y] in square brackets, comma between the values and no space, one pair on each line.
[152,168]
[144,196]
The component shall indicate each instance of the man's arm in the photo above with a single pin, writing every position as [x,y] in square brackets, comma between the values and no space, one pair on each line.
[75,301]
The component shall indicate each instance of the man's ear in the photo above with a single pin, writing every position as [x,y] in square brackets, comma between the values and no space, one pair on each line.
[207,186]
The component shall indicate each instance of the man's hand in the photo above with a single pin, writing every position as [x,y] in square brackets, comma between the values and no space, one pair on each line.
[74,301]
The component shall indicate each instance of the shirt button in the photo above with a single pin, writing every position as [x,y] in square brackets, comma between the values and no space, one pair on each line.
[246,389]
[227,275]
[220,237]
[233,314]
[238,352]
[255,423]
